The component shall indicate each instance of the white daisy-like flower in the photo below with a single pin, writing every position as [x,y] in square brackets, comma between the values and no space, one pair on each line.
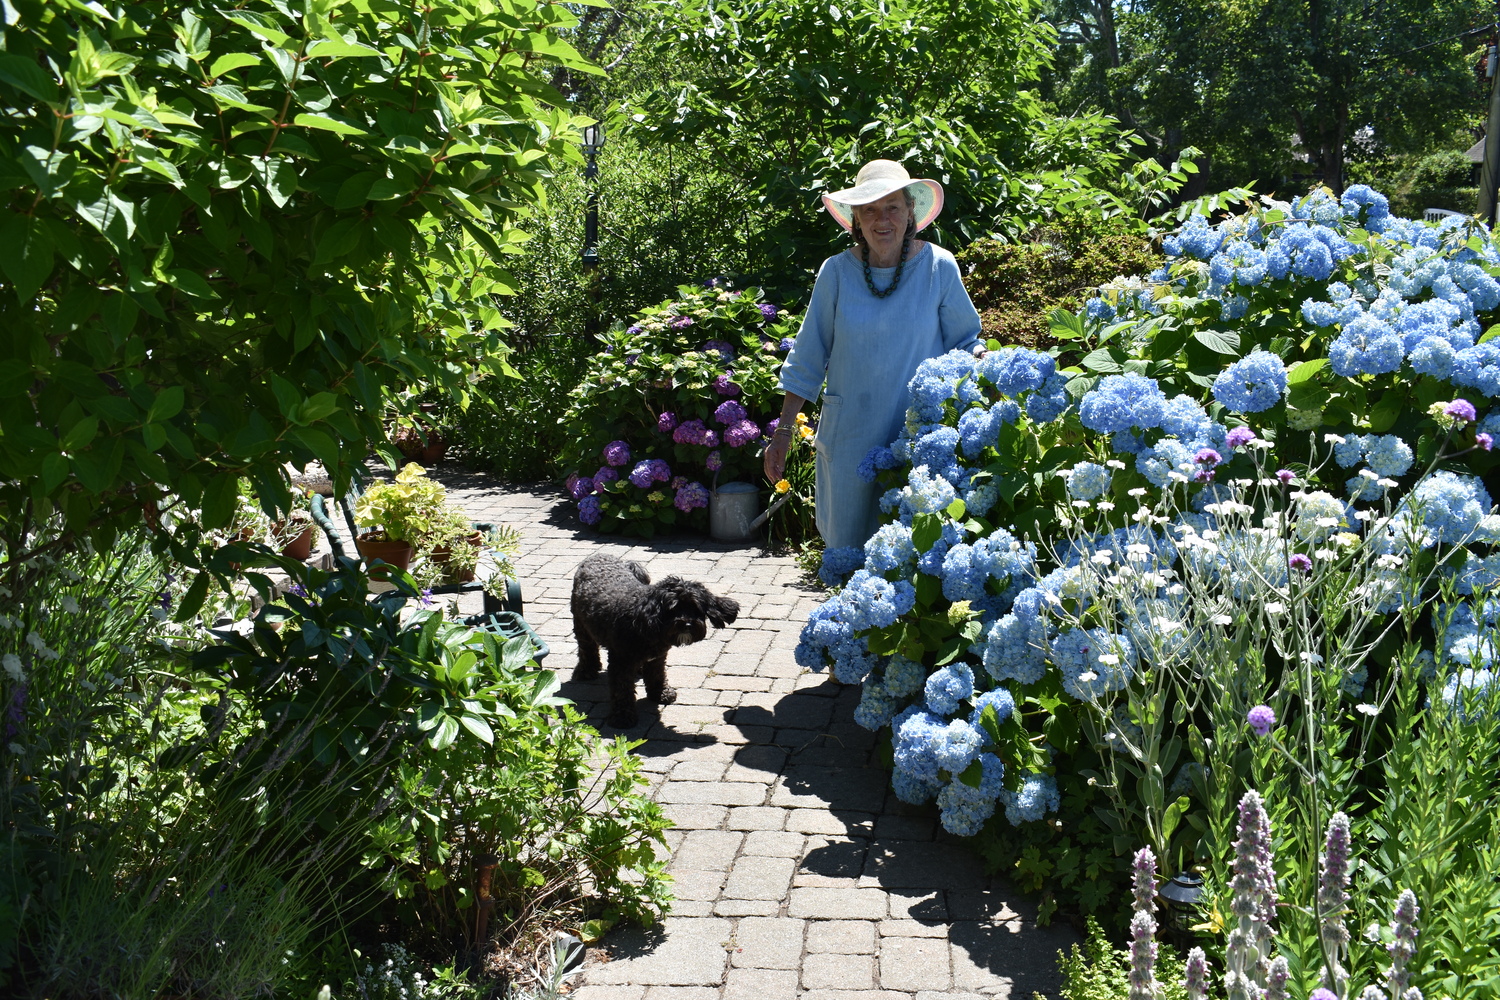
[1275,608]
[1115,463]
[1222,620]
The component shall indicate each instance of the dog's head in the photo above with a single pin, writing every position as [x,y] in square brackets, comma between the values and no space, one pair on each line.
[687,608]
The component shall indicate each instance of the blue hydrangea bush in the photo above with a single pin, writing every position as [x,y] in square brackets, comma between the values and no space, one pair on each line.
[1218,491]
[676,402]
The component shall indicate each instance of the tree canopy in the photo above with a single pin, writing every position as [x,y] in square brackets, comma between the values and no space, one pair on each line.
[233,233]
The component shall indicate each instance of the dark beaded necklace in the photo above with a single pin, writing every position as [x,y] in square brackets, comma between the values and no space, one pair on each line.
[900,265]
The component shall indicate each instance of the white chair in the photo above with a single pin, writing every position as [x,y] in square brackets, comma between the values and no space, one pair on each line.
[1437,214]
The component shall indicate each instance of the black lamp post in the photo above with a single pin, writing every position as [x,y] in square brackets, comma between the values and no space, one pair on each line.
[593,142]
[1182,893]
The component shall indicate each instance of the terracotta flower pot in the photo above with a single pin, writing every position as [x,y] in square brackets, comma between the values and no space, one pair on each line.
[299,548]
[397,554]
[442,553]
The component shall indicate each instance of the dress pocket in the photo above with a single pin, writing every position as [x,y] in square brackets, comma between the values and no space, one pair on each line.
[828,422]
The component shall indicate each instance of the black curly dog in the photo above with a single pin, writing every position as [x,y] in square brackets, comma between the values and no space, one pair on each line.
[615,605]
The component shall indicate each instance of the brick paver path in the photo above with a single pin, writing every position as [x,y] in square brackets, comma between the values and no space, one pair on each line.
[798,873]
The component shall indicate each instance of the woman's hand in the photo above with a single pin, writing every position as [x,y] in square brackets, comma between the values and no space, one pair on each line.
[774,460]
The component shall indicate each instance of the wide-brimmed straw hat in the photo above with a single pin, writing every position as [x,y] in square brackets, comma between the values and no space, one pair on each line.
[877,179]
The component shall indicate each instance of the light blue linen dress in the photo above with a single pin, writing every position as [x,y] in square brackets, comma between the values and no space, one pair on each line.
[869,348]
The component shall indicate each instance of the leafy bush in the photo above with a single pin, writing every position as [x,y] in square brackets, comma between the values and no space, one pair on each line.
[253,226]
[679,398]
[511,426]
[1086,582]
[486,794]
[1016,286]
[1099,971]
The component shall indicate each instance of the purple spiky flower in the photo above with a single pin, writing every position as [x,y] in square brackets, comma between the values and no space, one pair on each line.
[1195,975]
[1404,945]
[1333,898]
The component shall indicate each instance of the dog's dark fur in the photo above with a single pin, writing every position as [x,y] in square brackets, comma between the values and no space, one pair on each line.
[615,605]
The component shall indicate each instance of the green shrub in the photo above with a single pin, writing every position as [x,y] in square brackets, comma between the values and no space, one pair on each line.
[481,783]
[512,426]
[249,228]
[1100,971]
[1016,286]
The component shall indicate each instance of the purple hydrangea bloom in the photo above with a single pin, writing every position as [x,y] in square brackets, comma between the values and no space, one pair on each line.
[604,475]
[617,453]
[742,433]
[661,472]
[786,343]
[1462,409]
[725,386]
[682,322]
[1239,437]
[714,462]
[722,348]
[641,475]
[730,412]
[1484,441]
[768,311]
[666,422]
[633,330]
[580,486]
[1261,718]
[691,496]
[588,510]
[689,432]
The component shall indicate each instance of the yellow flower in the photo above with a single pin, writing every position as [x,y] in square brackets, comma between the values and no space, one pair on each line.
[801,417]
[782,486]
[807,432]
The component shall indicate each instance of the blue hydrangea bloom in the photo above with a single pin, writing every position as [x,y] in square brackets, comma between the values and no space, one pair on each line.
[960,745]
[1081,658]
[1451,506]
[1479,368]
[1000,699]
[979,429]
[1366,346]
[877,706]
[1388,455]
[1037,797]
[1099,309]
[1254,383]
[890,549]
[963,809]
[904,677]
[1013,648]
[947,687]
[1014,370]
[839,563]
[1433,356]
[1050,401]
[1122,402]
[1088,481]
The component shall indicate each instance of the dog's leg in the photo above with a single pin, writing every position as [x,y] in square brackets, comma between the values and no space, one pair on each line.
[654,673]
[622,674]
[588,654]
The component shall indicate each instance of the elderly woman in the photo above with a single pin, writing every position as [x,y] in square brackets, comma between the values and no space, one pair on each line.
[878,310]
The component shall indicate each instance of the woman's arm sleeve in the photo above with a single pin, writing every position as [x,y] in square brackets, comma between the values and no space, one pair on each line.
[957,317]
[802,371]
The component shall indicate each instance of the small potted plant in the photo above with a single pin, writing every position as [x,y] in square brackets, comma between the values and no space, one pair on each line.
[402,515]
[296,536]
[456,546]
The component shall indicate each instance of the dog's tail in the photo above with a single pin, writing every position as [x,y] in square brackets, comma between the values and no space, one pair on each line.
[638,571]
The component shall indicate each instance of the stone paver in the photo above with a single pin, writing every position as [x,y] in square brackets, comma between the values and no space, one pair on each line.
[798,873]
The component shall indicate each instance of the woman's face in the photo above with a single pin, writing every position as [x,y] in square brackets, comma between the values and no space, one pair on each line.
[884,222]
